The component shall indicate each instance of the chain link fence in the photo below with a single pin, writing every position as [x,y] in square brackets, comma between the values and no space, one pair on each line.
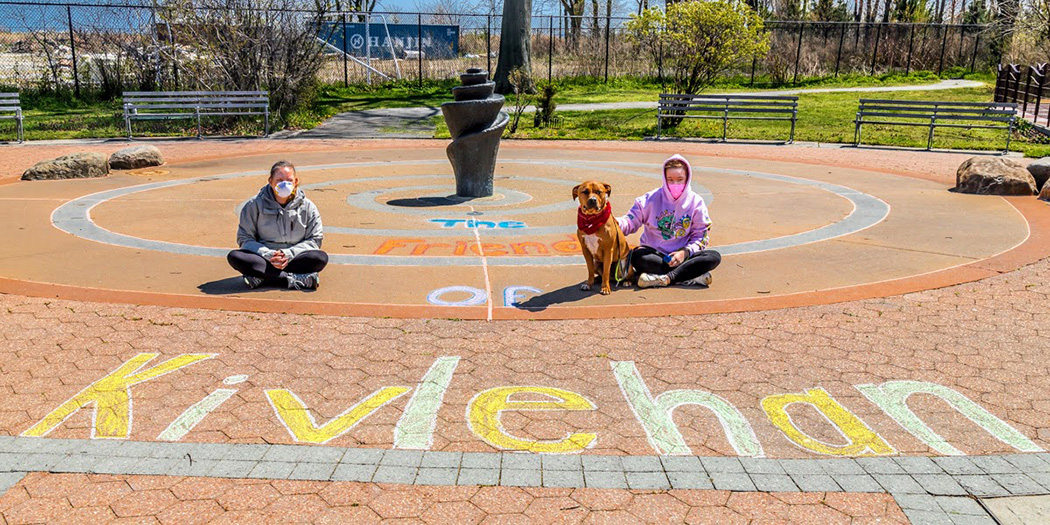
[114,48]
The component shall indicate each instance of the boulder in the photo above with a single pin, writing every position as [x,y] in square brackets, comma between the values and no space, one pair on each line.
[75,166]
[1040,169]
[994,176]
[135,157]
[1045,194]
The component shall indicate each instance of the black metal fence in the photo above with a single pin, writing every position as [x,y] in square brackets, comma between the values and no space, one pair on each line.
[1029,87]
[70,46]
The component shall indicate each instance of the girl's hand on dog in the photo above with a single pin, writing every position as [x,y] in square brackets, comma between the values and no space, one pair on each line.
[676,258]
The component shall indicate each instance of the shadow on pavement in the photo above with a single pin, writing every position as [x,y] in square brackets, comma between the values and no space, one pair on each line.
[568,294]
[235,285]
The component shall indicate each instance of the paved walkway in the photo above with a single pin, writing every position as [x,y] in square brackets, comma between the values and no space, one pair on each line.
[985,340]
[910,407]
[416,122]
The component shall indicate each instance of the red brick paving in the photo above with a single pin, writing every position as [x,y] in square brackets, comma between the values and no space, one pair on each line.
[57,498]
[987,339]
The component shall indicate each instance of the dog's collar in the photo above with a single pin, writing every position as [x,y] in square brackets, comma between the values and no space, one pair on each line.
[590,223]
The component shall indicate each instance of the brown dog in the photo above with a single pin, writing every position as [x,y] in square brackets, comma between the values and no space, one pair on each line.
[600,237]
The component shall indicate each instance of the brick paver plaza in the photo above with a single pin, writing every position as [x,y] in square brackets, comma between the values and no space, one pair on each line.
[889,372]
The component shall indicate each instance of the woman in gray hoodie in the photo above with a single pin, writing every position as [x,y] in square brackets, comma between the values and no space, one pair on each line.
[280,234]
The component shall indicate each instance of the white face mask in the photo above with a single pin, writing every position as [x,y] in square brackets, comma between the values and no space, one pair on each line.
[284,189]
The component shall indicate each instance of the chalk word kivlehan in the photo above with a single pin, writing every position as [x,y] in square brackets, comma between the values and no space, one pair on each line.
[110,399]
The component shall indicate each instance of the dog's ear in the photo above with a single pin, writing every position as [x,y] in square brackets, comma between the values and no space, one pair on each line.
[608,188]
[576,191]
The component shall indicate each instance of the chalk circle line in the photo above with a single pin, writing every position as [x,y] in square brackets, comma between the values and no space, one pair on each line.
[74,217]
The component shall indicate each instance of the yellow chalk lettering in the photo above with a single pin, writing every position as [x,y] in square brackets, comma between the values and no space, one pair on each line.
[301,425]
[112,397]
[483,416]
[863,441]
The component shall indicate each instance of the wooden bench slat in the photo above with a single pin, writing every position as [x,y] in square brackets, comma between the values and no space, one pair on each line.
[976,112]
[928,116]
[685,104]
[933,103]
[191,93]
[736,110]
[730,97]
[938,109]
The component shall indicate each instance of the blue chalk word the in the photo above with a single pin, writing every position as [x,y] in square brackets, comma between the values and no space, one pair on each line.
[473,223]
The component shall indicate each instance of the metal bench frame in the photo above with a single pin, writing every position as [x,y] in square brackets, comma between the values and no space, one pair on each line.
[167,105]
[934,114]
[9,103]
[751,106]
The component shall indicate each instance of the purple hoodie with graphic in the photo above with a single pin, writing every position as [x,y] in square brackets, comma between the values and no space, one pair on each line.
[670,224]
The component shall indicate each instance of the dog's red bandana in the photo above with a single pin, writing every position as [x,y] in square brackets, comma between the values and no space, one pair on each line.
[590,223]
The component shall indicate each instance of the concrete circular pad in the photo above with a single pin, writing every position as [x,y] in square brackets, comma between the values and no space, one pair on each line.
[402,245]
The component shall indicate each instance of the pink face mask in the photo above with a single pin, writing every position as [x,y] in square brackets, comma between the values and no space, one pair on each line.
[676,189]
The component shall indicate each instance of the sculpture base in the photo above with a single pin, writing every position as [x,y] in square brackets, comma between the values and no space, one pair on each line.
[473,159]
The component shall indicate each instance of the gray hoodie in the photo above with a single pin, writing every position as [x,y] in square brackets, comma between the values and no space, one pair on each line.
[266,226]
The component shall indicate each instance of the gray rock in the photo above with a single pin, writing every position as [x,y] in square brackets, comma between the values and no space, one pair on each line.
[994,176]
[1040,169]
[135,157]
[75,166]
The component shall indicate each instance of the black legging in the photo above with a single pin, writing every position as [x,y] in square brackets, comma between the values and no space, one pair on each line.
[253,265]
[648,260]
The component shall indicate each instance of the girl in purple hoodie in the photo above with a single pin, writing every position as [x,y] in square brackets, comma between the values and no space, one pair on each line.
[675,235]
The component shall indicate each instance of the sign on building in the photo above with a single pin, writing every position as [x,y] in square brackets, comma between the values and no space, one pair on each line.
[438,41]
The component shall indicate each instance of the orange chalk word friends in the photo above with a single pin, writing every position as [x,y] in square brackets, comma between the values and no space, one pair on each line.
[471,248]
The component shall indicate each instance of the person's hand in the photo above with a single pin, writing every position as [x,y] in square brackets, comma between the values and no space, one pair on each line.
[279,260]
[677,258]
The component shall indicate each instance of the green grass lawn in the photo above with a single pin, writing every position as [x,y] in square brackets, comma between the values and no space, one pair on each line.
[823,117]
[52,116]
[335,99]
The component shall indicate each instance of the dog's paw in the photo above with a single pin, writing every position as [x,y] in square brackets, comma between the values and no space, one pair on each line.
[606,290]
[585,287]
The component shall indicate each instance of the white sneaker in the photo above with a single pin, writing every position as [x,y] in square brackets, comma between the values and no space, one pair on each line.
[647,280]
[301,281]
[704,280]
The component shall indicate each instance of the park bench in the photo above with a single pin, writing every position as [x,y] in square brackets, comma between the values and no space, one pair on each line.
[167,105]
[11,108]
[970,115]
[727,107]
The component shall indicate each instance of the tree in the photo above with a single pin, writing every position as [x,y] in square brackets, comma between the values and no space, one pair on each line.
[515,45]
[700,40]
[245,45]
[977,13]
[1004,25]
[914,11]
[574,20]
[829,11]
